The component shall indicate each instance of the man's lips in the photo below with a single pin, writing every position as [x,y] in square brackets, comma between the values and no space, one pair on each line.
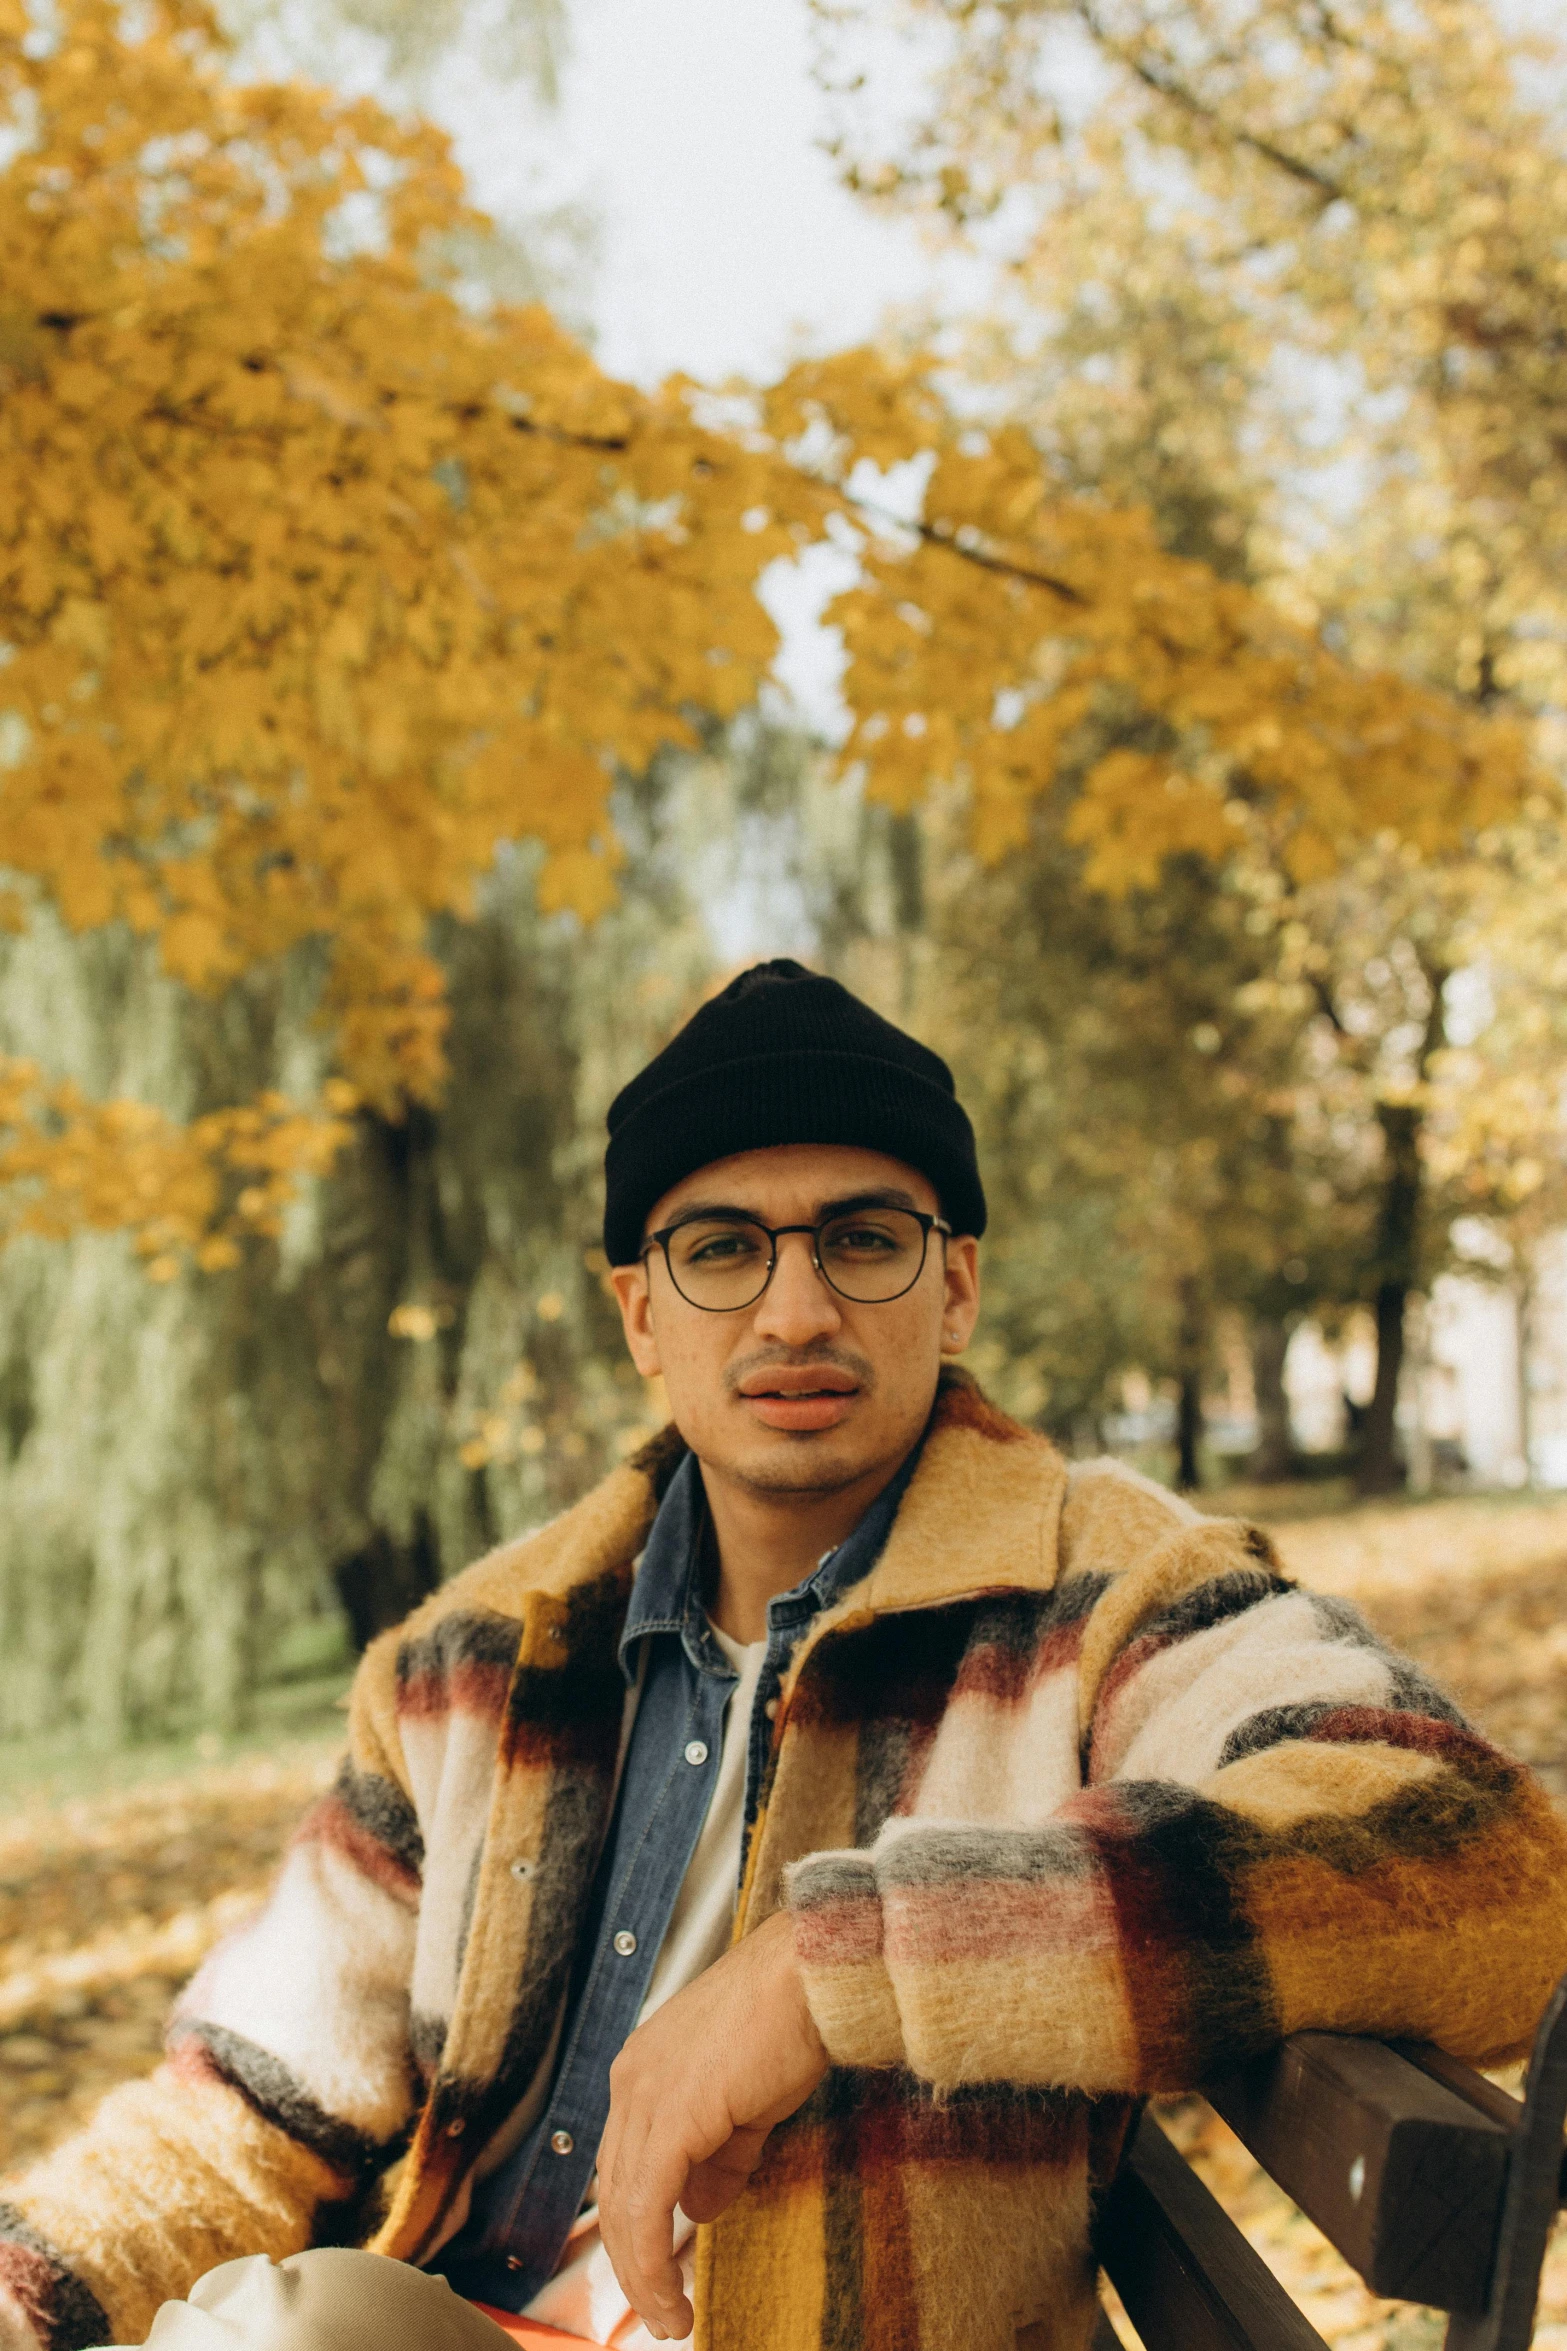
[810,1397]
[804,1379]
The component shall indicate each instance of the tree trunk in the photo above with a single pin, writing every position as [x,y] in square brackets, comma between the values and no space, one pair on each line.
[1523,1299]
[1188,1431]
[1273,1457]
[1191,1339]
[1380,1469]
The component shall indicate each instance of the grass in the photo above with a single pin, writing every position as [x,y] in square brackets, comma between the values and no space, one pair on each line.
[63,1767]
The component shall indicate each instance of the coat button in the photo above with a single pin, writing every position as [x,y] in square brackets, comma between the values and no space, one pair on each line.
[696,1752]
[625,1942]
[562,2142]
[522,1869]
[455,2128]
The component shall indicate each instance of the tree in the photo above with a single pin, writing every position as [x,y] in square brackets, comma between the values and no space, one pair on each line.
[208,1486]
[1135,1075]
[1245,198]
[1363,207]
[317,587]
[325,592]
[523,42]
[321,588]
[1378,186]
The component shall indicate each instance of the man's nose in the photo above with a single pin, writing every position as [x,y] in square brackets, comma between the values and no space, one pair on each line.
[796,1306]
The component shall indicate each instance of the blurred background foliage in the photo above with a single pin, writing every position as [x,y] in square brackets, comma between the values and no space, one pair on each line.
[1290,282]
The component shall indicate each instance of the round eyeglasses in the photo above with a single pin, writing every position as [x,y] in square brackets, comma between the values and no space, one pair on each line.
[870,1256]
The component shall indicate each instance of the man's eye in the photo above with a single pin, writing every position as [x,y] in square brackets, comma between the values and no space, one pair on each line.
[720,1249]
[863,1240]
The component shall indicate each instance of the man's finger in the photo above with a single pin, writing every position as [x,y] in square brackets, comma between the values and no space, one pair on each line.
[651,2276]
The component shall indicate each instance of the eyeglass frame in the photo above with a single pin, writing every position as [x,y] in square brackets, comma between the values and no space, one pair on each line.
[927,1223]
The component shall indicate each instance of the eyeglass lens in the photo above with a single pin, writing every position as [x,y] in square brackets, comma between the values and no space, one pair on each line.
[870,1256]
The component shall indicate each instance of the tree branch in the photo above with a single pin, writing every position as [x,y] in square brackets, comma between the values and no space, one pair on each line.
[1175,93]
[1325,1003]
[934,536]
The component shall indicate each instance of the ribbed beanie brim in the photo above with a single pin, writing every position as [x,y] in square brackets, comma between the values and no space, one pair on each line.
[784,1056]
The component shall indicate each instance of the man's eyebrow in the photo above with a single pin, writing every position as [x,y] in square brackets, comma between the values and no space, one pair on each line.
[882,1196]
[692,1208]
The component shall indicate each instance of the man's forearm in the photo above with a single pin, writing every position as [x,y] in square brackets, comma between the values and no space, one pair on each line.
[1148,1930]
[169,2178]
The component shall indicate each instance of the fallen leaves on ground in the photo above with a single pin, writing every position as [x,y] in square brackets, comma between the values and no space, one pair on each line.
[107,1903]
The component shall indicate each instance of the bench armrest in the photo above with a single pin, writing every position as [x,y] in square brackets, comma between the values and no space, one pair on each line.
[1404,2174]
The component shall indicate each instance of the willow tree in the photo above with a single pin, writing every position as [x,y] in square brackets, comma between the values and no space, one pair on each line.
[211,1485]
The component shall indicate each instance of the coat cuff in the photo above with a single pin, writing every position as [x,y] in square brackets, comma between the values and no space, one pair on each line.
[976,1954]
[42,2301]
[836,1907]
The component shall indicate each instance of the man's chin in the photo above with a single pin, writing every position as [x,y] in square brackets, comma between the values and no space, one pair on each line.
[803,1462]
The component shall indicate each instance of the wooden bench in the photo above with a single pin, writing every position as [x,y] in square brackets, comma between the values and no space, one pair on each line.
[1434,2184]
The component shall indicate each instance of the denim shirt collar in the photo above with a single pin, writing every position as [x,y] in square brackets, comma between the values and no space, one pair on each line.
[667,1594]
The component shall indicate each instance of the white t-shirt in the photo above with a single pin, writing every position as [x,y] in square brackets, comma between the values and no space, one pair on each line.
[584,2295]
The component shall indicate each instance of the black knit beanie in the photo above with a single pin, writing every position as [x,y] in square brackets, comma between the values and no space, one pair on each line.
[784,1056]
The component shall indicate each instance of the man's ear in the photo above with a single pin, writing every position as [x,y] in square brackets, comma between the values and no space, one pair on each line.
[960,1301]
[630,1285]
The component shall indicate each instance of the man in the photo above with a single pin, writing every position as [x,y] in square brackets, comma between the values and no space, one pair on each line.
[823,1833]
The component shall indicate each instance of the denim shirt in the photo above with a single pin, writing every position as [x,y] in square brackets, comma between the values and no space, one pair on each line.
[511,2243]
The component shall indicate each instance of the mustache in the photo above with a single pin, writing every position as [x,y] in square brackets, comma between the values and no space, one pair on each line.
[859,1367]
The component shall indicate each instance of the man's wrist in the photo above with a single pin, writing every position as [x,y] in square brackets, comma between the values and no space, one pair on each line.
[785,1955]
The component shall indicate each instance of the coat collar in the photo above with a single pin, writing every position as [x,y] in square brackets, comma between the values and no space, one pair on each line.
[982,1513]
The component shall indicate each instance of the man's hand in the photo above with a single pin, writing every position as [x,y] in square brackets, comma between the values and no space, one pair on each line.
[693,2095]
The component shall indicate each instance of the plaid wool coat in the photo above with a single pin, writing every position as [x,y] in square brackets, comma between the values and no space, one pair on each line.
[1072,1798]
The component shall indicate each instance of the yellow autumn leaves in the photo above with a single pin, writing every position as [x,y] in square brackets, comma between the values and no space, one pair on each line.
[318,587]
[185,1191]
[990,667]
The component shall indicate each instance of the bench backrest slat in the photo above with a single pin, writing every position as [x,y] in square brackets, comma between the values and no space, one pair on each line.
[1184,2271]
[1533,2188]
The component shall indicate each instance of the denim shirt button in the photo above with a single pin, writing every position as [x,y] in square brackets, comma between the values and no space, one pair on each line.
[562,2142]
[696,1752]
[625,1942]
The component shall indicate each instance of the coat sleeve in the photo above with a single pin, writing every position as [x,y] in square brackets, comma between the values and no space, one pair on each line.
[1280,1824]
[287,2084]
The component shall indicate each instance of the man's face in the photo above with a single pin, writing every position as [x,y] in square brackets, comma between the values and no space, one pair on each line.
[804,1391]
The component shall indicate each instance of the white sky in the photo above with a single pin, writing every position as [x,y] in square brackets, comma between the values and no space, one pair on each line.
[688,127]
[726,245]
